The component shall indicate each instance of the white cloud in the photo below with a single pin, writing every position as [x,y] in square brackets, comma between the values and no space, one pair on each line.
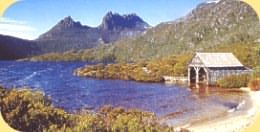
[15,28]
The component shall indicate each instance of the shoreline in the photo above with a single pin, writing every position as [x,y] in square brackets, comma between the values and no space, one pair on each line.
[230,124]
[4,125]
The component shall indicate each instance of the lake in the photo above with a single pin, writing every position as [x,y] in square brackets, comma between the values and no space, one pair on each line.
[174,104]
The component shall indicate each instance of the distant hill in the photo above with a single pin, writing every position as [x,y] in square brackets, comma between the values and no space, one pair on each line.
[15,48]
[68,34]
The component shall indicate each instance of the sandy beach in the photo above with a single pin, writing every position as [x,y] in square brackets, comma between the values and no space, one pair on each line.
[231,124]
[4,126]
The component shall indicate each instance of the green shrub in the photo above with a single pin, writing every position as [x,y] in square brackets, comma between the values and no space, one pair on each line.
[256,72]
[234,81]
[28,110]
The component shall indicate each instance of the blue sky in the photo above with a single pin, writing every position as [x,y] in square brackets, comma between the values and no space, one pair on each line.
[30,18]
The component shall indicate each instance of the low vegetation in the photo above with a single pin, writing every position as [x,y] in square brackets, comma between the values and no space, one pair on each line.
[28,110]
[244,80]
[234,81]
[152,71]
[247,53]
[175,65]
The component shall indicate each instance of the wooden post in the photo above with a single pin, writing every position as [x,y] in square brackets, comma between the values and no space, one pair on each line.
[197,74]
[189,76]
[207,89]
[207,76]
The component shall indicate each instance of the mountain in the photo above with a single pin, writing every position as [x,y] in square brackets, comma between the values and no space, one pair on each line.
[115,26]
[211,25]
[65,28]
[15,48]
[69,34]
[115,22]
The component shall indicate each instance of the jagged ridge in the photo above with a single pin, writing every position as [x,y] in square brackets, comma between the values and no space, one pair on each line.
[73,35]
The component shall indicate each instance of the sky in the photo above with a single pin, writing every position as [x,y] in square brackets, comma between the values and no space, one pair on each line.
[30,18]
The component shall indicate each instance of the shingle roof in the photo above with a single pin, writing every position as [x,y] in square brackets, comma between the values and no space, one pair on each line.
[219,60]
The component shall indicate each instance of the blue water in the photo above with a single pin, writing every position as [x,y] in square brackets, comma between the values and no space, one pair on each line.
[69,92]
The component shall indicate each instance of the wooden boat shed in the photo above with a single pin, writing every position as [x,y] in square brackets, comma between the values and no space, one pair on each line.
[207,68]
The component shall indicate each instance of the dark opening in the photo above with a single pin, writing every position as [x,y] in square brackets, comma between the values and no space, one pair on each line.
[202,75]
[192,75]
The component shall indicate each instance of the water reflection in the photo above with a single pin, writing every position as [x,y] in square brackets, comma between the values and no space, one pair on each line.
[204,90]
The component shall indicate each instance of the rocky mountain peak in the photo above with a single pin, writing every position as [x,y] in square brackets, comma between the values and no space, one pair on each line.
[68,22]
[115,21]
[114,27]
